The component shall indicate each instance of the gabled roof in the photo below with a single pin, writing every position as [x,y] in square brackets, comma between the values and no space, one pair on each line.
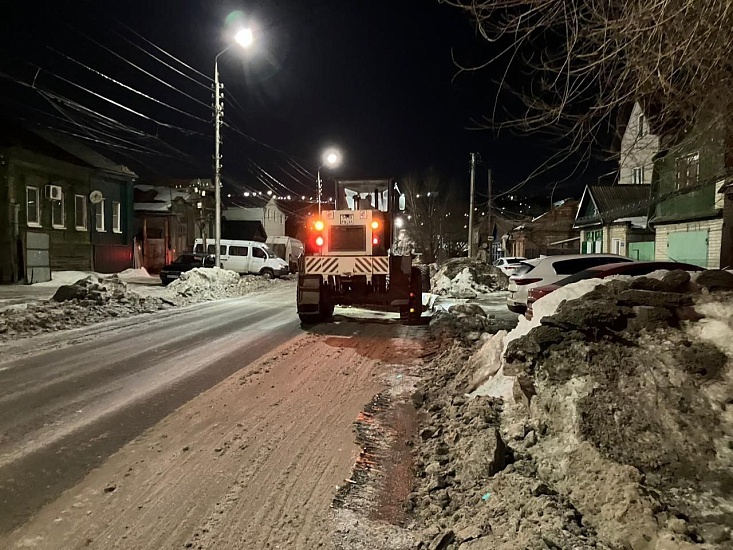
[80,151]
[604,204]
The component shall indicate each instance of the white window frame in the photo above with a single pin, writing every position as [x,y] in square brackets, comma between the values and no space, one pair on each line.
[637,175]
[30,223]
[116,213]
[84,212]
[99,215]
[61,225]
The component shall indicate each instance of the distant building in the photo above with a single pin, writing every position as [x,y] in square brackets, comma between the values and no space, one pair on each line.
[613,219]
[65,207]
[548,234]
[169,215]
[270,215]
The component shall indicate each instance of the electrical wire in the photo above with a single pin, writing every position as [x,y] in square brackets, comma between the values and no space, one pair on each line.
[120,105]
[137,67]
[126,87]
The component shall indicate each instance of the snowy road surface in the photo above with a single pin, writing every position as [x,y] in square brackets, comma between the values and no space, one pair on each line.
[68,401]
[222,425]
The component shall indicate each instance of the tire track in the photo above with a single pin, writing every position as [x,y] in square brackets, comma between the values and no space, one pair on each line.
[252,463]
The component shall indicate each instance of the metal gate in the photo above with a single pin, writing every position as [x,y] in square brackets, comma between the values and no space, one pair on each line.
[37,258]
[688,246]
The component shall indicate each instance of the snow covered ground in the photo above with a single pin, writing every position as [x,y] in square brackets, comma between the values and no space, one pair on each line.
[73,298]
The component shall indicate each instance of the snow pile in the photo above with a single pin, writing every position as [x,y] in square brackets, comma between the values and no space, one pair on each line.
[138,273]
[470,323]
[94,298]
[616,432]
[89,300]
[464,278]
[213,283]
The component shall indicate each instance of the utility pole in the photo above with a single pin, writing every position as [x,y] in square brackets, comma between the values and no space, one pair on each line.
[470,211]
[218,112]
[491,227]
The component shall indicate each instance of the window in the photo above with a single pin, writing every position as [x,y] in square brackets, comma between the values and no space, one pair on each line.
[688,168]
[211,249]
[637,175]
[348,238]
[641,126]
[99,215]
[239,251]
[57,213]
[258,253]
[116,217]
[80,212]
[32,206]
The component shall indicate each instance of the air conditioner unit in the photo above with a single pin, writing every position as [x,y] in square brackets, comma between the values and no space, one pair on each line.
[54,192]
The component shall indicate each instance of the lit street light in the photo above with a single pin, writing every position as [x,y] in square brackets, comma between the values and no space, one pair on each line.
[244,38]
[331,158]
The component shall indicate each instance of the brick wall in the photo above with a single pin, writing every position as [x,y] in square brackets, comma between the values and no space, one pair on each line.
[714,228]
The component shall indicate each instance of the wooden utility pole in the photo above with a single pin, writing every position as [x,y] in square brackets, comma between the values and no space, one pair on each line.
[470,210]
[491,227]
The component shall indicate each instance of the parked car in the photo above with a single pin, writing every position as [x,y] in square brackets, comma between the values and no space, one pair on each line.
[634,269]
[184,262]
[509,265]
[287,248]
[548,270]
[246,257]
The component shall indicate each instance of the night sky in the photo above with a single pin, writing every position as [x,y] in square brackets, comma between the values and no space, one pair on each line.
[374,78]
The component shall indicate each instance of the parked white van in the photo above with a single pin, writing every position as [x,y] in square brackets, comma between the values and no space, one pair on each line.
[287,248]
[245,257]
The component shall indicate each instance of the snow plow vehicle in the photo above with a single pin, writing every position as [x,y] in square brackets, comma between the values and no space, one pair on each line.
[349,256]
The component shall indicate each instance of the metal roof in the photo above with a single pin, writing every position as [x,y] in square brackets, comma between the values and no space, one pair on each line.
[77,149]
[613,202]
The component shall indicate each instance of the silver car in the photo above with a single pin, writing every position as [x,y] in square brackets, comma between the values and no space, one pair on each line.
[509,265]
[548,270]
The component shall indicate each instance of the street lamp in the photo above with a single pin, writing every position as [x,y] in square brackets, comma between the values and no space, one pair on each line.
[243,38]
[331,158]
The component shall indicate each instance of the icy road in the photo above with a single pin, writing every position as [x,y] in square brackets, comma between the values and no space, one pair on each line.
[219,425]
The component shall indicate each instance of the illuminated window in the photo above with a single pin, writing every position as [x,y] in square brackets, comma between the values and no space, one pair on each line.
[99,215]
[32,206]
[57,213]
[116,217]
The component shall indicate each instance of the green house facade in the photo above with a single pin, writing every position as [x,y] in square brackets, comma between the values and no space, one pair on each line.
[687,203]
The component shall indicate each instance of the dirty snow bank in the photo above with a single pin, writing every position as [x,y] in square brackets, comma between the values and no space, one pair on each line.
[470,323]
[464,278]
[94,298]
[212,283]
[617,432]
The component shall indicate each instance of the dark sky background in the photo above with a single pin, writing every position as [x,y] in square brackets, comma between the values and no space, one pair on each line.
[374,78]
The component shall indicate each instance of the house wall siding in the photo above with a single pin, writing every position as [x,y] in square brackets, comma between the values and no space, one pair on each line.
[637,151]
[699,200]
[715,231]
[617,231]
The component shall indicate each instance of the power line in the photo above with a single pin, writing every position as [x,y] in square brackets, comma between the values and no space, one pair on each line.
[166,53]
[129,88]
[120,105]
[138,68]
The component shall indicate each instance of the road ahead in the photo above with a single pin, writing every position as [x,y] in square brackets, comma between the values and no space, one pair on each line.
[68,401]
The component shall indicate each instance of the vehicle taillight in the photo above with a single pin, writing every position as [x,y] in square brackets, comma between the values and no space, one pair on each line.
[319,225]
[319,240]
[526,281]
[375,224]
[375,240]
